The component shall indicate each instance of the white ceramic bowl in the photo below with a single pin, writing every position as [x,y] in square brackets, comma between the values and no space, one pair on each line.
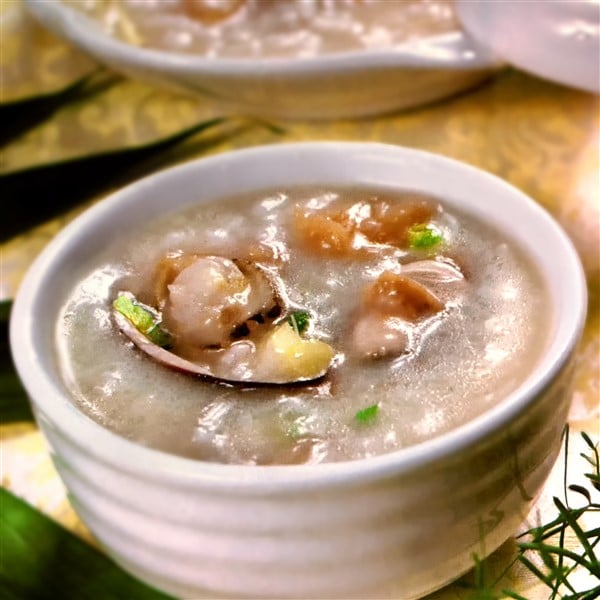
[558,40]
[349,84]
[397,525]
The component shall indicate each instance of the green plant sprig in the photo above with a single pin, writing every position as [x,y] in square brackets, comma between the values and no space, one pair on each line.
[547,542]
[560,561]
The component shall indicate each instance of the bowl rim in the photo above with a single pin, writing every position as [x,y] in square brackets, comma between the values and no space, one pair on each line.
[455,50]
[133,458]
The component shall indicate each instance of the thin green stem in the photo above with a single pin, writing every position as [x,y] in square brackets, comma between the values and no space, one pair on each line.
[536,571]
[511,594]
[549,549]
[568,517]
[547,541]
[566,462]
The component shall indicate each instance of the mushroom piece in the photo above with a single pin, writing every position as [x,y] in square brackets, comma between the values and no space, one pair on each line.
[225,320]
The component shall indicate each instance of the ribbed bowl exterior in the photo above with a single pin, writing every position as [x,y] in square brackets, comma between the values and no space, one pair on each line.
[398,537]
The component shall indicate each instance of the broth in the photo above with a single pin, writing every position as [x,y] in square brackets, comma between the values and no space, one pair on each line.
[270,28]
[459,358]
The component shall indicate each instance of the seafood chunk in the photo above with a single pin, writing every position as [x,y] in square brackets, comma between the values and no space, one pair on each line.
[212,296]
[395,295]
[349,230]
[389,307]
[323,234]
[376,336]
[211,11]
[224,319]
[388,223]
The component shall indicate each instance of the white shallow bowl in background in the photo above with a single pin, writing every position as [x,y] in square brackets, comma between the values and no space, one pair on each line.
[341,85]
[392,526]
[558,40]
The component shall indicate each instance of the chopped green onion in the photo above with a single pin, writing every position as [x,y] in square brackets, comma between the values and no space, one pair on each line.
[366,415]
[160,337]
[424,236]
[143,319]
[299,320]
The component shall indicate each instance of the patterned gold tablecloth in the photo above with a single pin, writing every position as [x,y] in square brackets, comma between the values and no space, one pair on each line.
[541,137]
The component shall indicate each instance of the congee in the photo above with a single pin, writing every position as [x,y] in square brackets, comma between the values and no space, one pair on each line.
[270,28]
[395,317]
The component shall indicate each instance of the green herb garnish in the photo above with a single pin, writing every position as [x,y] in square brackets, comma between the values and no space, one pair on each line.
[424,236]
[299,320]
[144,319]
[366,415]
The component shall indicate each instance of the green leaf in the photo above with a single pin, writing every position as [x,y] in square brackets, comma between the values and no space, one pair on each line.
[568,517]
[143,319]
[367,415]
[423,236]
[594,479]
[59,186]
[588,440]
[591,594]
[535,570]
[14,402]
[42,561]
[545,550]
[5,307]
[579,489]
[19,117]
[299,320]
